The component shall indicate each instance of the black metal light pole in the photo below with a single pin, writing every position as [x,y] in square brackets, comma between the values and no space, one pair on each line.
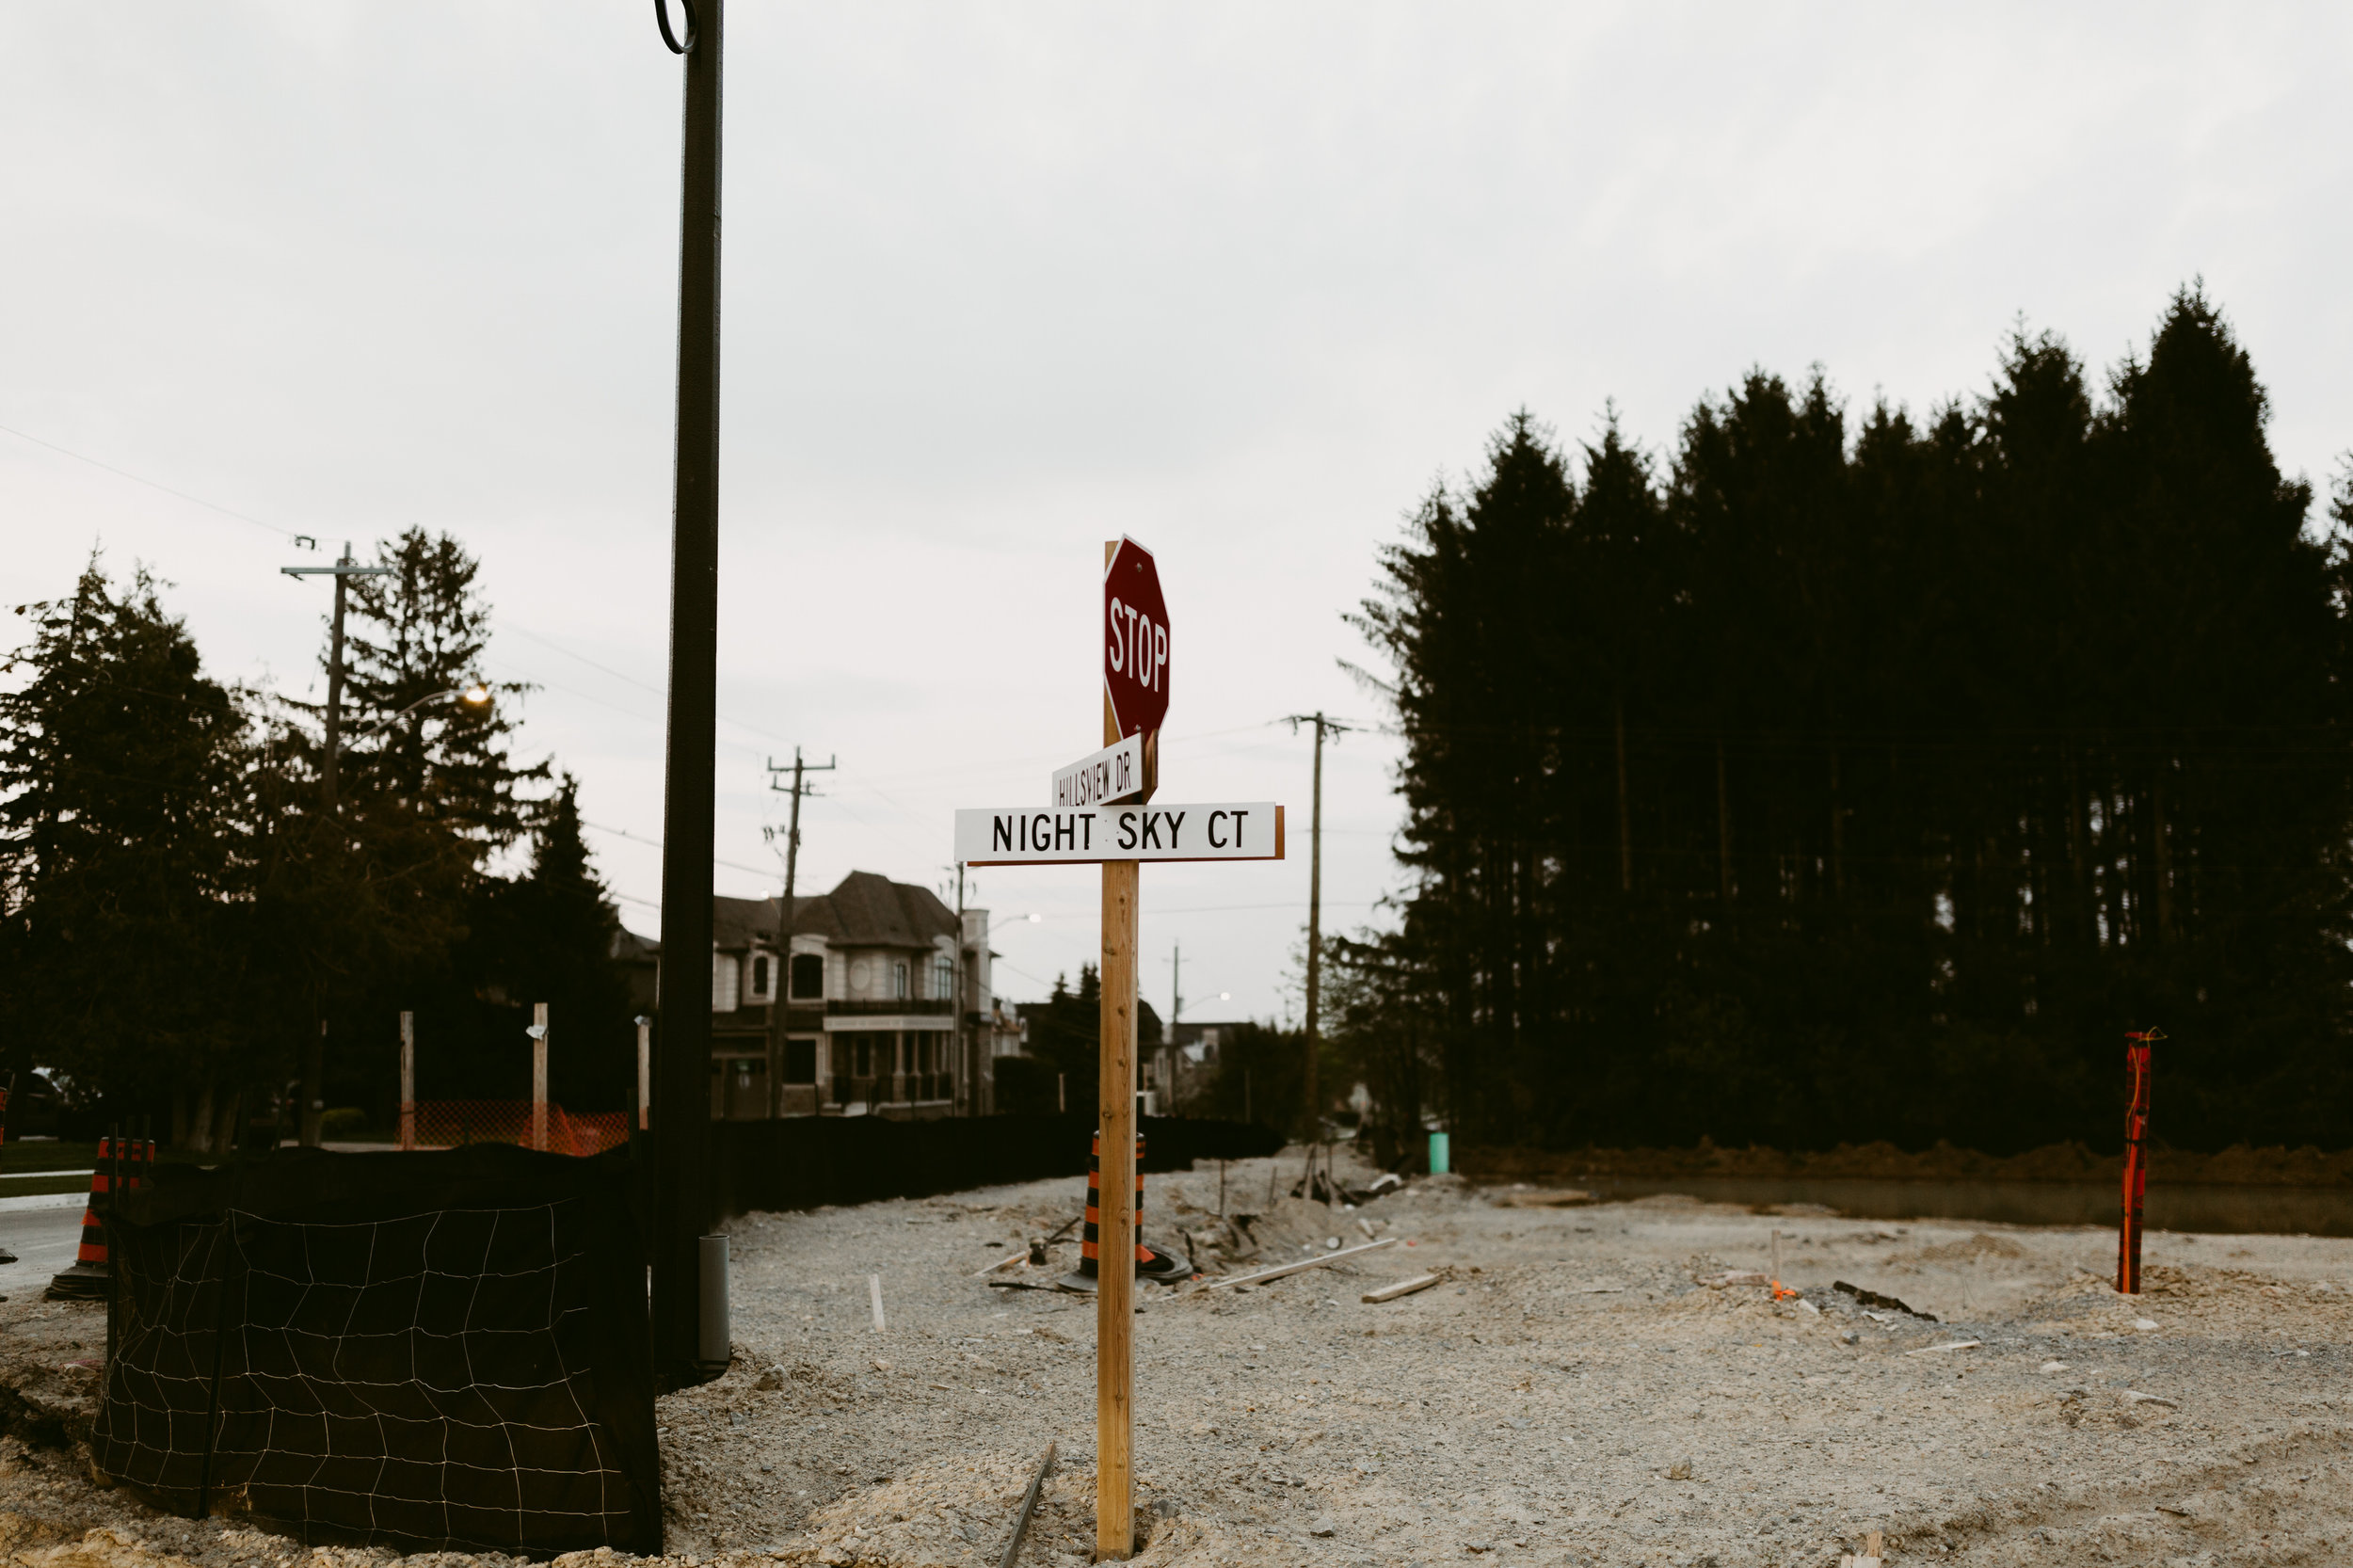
[681,1090]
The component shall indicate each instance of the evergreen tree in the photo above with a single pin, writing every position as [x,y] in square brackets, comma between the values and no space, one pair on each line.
[549,936]
[1871,781]
[125,863]
[415,637]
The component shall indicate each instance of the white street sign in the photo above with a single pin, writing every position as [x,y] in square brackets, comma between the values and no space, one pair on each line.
[1026,836]
[1114,773]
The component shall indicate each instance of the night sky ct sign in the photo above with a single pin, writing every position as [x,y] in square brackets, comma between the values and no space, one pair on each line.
[1026,836]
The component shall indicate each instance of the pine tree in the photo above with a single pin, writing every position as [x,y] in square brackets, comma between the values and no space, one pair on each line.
[125,864]
[1866,778]
[549,936]
[417,636]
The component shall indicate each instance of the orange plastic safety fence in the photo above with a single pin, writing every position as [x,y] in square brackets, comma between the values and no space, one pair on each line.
[450,1124]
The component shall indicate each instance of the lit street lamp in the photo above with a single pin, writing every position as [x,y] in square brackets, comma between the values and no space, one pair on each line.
[475,696]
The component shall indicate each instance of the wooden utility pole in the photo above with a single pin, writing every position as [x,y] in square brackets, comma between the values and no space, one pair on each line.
[307,1127]
[340,571]
[1115,1286]
[778,1022]
[1313,1133]
[682,1192]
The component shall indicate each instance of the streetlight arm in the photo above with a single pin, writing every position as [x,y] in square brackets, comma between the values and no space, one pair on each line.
[474,696]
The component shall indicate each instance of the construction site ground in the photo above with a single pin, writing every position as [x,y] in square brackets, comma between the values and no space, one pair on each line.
[1582,1387]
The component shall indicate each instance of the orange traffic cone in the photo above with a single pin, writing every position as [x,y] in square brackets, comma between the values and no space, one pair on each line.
[1151,1262]
[88,1278]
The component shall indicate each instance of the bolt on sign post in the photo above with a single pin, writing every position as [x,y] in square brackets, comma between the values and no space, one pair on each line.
[1100,811]
[2136,1158]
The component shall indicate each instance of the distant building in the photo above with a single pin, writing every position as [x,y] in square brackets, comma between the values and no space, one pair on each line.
[890,1010]
[1182,1069]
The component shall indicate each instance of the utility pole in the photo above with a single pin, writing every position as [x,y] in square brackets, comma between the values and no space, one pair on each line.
[1315,912]
[681,1192]
[968,1060]
[1176,1011]
[340,571]
[314,1060]
[784,920]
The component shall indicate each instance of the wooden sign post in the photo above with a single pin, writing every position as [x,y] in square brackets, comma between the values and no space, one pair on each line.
[1088,822]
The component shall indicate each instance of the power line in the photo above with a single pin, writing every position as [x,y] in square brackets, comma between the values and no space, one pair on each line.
[762,871]
[153,485]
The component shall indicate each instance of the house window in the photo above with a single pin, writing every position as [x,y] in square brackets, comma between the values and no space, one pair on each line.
[899,981]
[800,1061]
[723,976]
[943,977]
[809,976]
[761,967]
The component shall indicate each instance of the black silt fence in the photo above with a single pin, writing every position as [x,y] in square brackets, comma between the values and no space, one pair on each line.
[433,1352]
[803,1161]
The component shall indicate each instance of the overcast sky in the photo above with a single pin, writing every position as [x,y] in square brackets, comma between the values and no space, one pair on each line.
[1005,280]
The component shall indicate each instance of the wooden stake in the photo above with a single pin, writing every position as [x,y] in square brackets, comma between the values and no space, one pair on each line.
[873,1290]
[645,1072]
[1404,1287]
[539,1077]
[1116,1283]
[408,1080]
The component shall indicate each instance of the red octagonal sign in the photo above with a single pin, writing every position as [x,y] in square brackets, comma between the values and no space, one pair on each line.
[1135,640]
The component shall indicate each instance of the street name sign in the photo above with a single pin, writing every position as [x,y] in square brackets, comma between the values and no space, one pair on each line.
[1026,836]
[1135,639]
[1113,774]
[1103,812]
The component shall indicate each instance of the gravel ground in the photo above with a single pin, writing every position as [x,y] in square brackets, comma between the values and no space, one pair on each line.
[1574,1392]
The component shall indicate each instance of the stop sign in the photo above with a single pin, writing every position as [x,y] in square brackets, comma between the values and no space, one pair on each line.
[1135,640]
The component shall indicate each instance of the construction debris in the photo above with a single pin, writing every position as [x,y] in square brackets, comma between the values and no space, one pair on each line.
[1872,1297]
[1404,1287]
[1873,1545]
[1956,1345]
[1277,1272]
[1029,1507]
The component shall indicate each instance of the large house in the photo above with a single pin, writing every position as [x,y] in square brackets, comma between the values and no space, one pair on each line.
[884,1007]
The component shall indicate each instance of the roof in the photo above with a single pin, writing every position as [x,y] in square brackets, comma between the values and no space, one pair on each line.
[865,909]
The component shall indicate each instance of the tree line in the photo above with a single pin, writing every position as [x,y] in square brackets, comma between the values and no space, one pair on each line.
[1832,780]
[184,911]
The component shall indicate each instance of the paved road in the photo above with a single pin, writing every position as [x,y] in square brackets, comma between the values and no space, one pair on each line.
[44,1241]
